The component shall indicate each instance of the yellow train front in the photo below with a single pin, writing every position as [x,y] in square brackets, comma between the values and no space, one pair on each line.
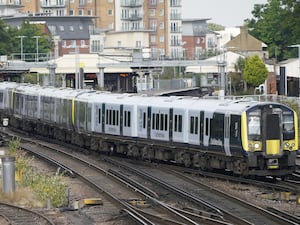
[270,139]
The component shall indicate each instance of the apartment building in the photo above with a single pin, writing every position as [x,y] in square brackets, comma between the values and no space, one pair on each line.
[160,19]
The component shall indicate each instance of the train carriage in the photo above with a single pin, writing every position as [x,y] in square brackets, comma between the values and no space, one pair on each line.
[246,137]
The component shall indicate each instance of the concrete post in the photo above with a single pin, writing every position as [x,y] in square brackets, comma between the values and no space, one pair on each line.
[8,174]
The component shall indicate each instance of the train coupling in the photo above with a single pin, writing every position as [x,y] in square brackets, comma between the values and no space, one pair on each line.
[273,164]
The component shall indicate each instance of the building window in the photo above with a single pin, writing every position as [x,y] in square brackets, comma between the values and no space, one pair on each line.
[82,43]
[138,44]
[152,12]
[71,12]
[110,12]
[80,13]
[161,12]
[61,28]
[96,46]
[90,12]
[162,38]
[73,44]
[71,28]
[152,39]
[162,26]
[64,43]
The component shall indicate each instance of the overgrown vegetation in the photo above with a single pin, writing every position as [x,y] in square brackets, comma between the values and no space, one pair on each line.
[45,186]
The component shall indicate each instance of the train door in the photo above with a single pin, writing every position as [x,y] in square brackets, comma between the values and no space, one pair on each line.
[271,130]
[206,133]
[97,118]
[142,121]
[227,134]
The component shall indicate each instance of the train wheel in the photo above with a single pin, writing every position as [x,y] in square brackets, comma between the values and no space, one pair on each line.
[133,151]
[187,160]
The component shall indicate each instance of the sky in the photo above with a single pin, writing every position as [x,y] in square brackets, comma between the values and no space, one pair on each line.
[229,13]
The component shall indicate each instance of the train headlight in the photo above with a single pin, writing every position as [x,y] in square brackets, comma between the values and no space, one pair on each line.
[293,145]
[256,145]
[286,144]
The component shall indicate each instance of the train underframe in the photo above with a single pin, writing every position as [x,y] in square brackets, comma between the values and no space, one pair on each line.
[189,156]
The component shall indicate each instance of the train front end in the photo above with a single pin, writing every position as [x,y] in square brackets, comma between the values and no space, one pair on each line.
[270,139]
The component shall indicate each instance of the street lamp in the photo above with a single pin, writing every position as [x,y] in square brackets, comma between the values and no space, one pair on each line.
[297,46]
[21,38]
[37,47]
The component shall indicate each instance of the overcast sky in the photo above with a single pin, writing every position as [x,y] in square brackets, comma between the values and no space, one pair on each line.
[229,13]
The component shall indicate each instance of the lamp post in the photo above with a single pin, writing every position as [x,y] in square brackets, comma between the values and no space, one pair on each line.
[297,46]
[21,39]
[37,48]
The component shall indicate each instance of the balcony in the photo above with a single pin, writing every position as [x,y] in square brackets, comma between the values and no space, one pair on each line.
[175,3]
[131,3]
[132,17]
[175,16]
[176,30]
[46,4]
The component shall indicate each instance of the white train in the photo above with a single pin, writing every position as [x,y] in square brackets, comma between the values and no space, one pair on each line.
[245,137]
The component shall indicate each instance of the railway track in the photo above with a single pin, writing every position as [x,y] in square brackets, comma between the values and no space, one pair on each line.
[130,196]
[290,185]
[11,214]
[234,209]
[146,216]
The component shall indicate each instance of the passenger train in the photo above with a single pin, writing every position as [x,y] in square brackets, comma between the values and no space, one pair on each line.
[242,136]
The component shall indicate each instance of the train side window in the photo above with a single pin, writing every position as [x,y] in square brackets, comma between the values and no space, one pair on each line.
[106,121]
[180,123]
[157,122]
[206,127]
[196,125]
[175,123]
[129,119]
[114,117]
[117,117]
[125,118]
[288,126]
[235,130]
[217,128]
[153,121]
[192,124]
[166,122]
[161,121]
[99,116]
[144,120]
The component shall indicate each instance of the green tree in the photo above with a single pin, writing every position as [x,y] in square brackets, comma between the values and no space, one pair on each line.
[277,24]
[215,27]
[255,72]
[30,31]
[5,39]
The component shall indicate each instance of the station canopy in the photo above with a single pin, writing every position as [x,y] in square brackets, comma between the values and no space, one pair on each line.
[71,63]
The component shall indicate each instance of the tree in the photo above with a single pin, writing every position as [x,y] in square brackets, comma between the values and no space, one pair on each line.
[29,31]
[215,27]
[5,39]
[236,77]
[277,24]
[255,72]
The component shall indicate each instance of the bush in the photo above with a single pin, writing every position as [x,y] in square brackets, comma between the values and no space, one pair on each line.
[47,187]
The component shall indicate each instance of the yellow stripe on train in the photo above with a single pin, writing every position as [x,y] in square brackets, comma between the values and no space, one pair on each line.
[273,147]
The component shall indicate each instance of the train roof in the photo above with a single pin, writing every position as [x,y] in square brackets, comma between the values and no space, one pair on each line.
[175,102]
[5,85]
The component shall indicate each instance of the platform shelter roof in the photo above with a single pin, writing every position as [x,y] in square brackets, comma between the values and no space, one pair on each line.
[71,63]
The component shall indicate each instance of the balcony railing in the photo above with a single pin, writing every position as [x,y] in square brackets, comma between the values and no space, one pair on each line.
[132,17]
[131,3]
